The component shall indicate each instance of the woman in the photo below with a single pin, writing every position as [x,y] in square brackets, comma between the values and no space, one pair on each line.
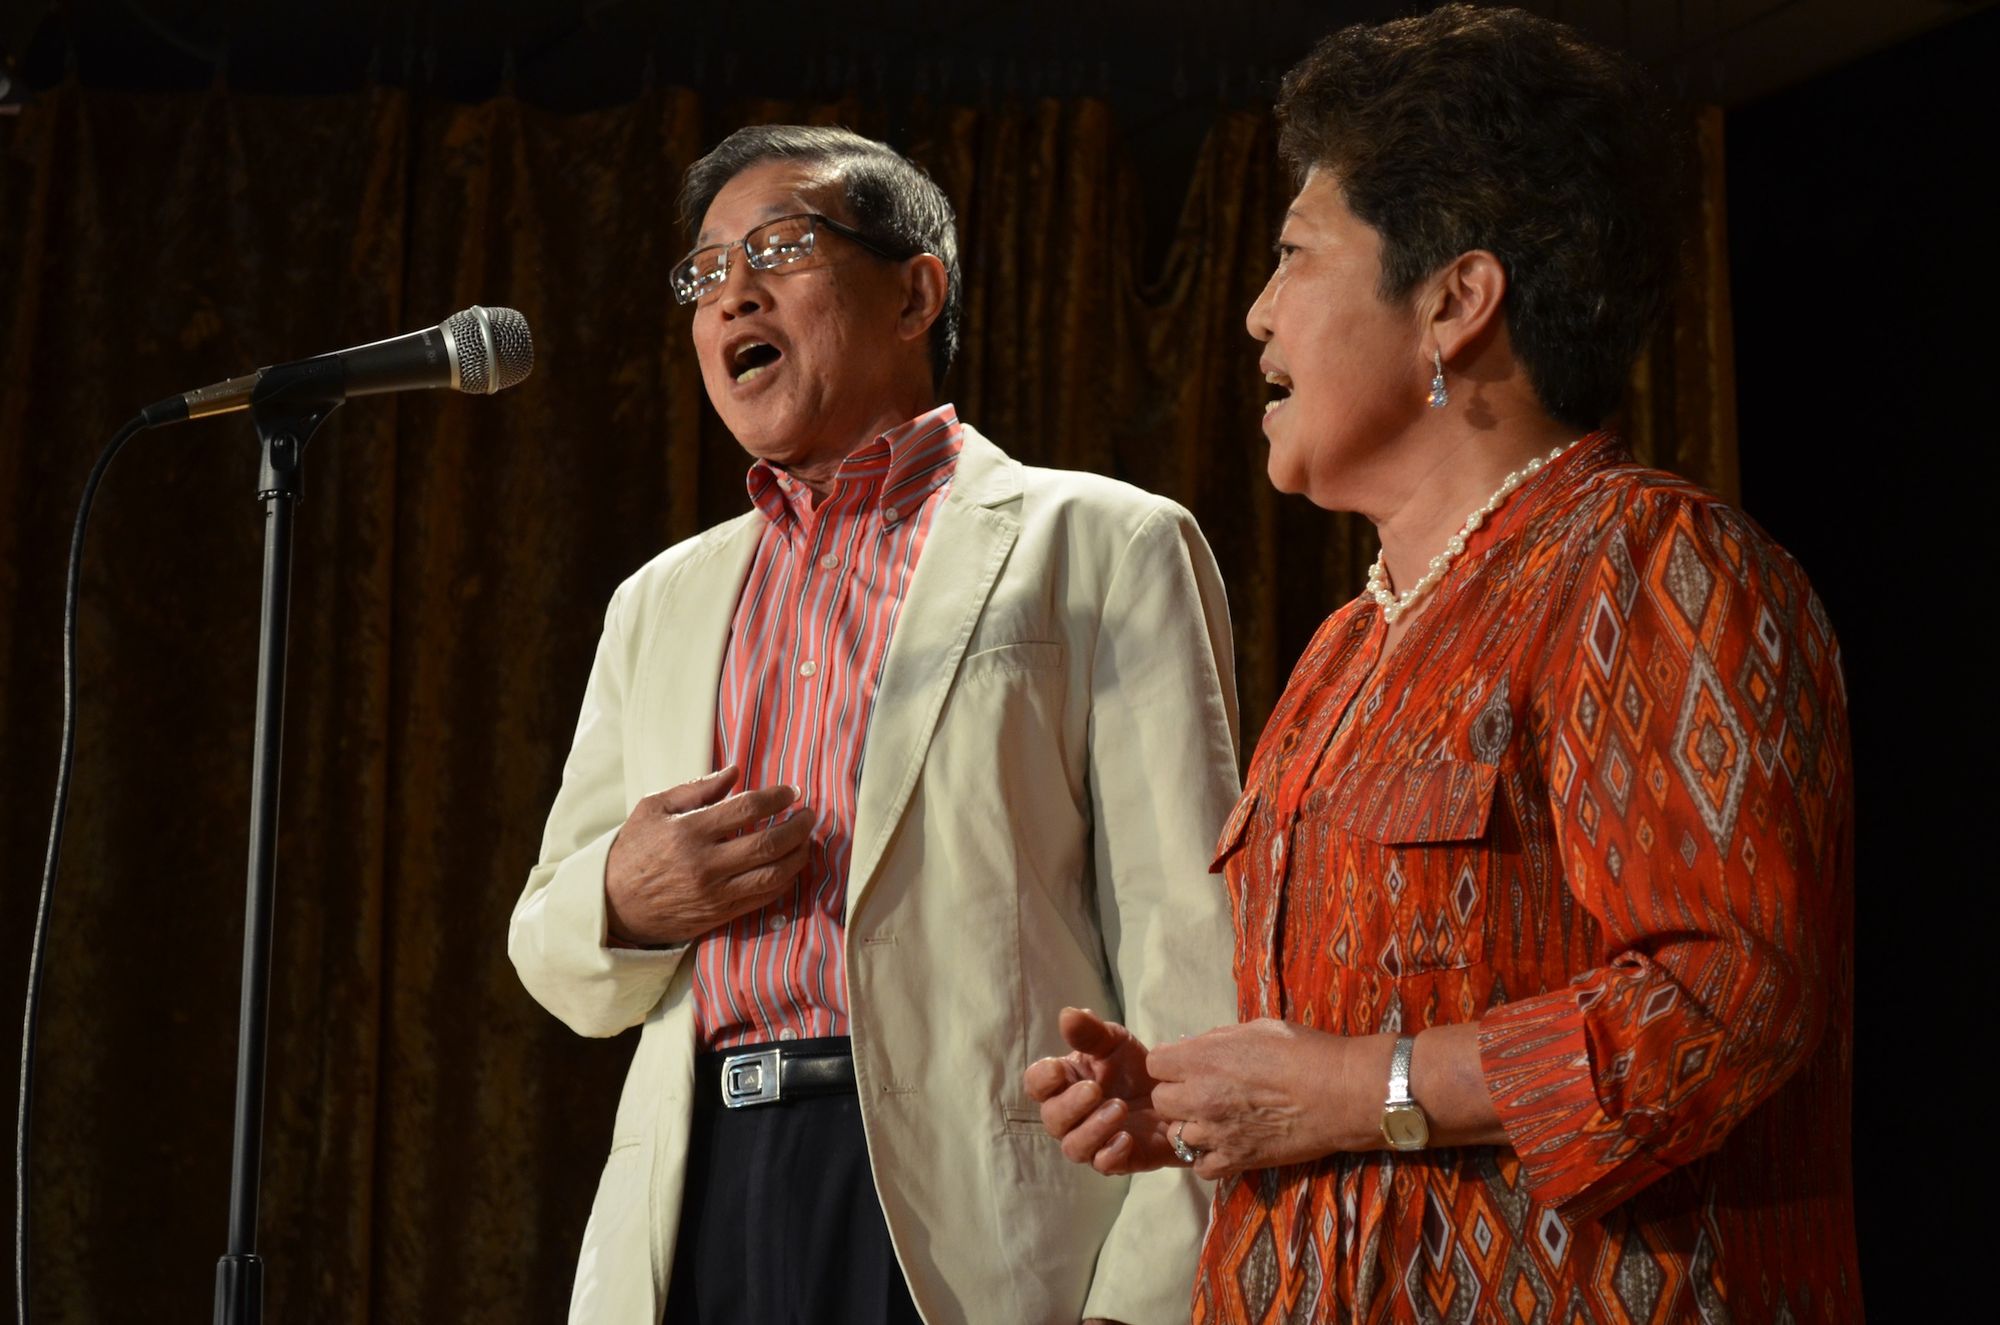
[1541,877]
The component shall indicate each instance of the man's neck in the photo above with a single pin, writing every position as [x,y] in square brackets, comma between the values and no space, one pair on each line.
[819,471]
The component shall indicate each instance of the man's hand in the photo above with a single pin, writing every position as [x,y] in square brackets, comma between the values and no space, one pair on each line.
[1266,1093]
[1097,1099]
[693,857]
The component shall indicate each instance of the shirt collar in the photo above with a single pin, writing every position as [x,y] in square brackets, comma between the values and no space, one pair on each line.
[895,471]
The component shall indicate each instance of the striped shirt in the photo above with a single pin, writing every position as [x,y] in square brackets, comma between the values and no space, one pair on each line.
[799,678]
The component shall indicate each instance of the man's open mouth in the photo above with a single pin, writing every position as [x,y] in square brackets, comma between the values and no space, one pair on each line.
[751,358]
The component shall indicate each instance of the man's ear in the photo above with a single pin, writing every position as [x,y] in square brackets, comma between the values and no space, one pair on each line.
[1465,302]
[924,288]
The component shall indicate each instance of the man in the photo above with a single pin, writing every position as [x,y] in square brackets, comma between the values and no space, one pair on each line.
[867,782]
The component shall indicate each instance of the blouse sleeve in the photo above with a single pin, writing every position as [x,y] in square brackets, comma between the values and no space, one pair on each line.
[1694,738]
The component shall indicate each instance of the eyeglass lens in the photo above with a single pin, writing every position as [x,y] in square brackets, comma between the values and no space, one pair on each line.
[776,243]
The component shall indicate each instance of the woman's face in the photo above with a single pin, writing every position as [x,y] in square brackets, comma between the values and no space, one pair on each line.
[1350,371]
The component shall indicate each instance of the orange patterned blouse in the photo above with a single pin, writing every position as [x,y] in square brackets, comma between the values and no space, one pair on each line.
[1598,800]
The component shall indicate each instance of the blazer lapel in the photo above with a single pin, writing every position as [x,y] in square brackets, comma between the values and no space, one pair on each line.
[689,638]
[968,543]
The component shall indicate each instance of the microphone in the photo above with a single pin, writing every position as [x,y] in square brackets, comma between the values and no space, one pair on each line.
[480,351]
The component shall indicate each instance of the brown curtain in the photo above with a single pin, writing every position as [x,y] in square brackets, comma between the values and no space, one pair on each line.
[433,1137]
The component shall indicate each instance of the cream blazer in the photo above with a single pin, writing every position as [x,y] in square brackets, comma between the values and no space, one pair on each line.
[1050,758]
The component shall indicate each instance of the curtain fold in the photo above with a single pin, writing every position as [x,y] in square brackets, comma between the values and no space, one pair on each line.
[1681,412]
[433,1137]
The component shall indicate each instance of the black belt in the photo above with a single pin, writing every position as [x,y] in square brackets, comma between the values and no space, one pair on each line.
[773,1073]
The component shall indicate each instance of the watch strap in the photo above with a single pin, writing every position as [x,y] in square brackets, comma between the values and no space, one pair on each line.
[1399,1070]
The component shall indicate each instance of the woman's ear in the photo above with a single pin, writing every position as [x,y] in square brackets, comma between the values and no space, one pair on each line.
[924,288]
[1465,302]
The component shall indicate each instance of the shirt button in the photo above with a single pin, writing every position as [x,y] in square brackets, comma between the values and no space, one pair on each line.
[779,922]
[829,561]
[788,1034]
[808,668]
[890,514]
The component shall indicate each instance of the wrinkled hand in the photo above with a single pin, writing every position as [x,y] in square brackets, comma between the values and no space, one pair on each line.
[1097,1099]
[1266,1093]
[692,857]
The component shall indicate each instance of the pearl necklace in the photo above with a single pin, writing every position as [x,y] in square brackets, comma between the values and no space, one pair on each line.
[1394,604]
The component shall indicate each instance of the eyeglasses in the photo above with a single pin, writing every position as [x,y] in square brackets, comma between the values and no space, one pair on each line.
[773,244]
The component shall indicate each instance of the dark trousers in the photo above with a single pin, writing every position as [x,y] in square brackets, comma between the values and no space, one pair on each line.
[779,1222]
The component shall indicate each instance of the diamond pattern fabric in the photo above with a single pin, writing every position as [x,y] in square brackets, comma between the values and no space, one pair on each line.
[1598,800]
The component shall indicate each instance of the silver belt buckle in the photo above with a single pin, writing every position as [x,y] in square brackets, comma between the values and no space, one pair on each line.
[749,1079]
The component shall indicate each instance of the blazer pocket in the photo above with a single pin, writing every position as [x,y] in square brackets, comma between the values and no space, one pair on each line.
[1416,831]
[1025,1119]
[1021,656]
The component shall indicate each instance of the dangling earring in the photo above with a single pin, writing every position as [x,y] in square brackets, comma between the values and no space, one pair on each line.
[1439,396]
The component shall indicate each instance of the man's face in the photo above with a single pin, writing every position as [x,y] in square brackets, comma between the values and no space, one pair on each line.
[1348,364]
[802,362]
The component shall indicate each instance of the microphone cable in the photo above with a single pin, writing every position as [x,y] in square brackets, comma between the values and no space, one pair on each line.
[150,417]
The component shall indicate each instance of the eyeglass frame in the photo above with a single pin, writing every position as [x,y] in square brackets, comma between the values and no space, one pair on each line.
[818,219]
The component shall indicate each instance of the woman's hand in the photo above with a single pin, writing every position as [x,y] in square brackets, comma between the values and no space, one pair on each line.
[1097,1099]
[1265,1093]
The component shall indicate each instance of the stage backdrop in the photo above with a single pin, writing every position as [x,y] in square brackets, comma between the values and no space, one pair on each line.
[433,1137]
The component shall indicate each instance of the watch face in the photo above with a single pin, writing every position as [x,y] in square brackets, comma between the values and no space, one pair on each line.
[1405,1127]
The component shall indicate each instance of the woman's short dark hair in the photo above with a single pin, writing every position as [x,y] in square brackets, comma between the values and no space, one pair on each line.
[890,197]
[1470,128]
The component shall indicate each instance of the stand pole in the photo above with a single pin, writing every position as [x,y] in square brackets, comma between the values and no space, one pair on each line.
[286,416]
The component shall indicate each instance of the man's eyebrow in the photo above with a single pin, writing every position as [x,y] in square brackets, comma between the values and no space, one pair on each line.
[793,207]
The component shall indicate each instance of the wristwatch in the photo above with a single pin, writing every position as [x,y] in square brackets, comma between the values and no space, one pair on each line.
[1404,1126]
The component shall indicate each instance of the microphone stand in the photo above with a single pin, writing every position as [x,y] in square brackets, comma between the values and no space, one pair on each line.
[288,406]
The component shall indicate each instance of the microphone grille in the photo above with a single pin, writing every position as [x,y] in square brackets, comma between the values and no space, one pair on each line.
[495,350]
[513,348]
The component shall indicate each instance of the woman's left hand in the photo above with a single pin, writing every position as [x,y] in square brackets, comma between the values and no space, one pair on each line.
[1265,1093]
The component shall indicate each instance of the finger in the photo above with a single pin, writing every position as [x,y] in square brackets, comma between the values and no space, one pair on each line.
[702,791]
[732,816]
[1115,1157]
[1085,1031]
[1171,1062]
[1134,1149]
[731,899]
[1047,1078]
[1213,1158]
[1175,1100]
[761,847]
[1061,1112]
[1093,1132]
[760,887]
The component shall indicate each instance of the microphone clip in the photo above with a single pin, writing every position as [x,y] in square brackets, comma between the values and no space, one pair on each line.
[290,403]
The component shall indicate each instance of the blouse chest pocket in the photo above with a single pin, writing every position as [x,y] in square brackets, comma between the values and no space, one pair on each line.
[1406,841]
[1234,830]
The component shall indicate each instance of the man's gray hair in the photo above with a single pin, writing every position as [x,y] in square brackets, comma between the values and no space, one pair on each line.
[890,197]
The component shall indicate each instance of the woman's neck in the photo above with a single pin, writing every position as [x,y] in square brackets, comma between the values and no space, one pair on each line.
[1453,476]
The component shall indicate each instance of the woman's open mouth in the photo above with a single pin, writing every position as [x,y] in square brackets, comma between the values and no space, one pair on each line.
[1283,386]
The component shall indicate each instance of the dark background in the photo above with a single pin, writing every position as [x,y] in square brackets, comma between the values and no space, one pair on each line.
[1859,228]
[1858,152]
